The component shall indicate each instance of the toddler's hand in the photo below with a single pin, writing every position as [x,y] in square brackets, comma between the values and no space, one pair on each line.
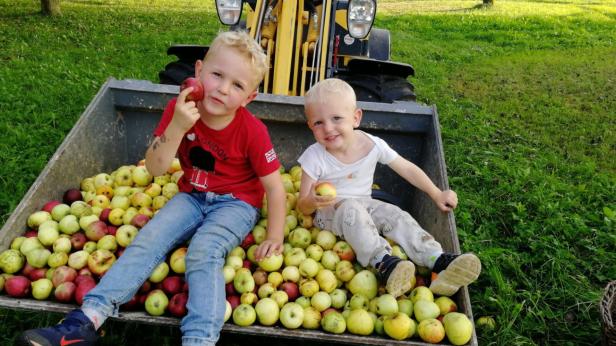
[267,248]
[447,200]
[185,114]
[321,201]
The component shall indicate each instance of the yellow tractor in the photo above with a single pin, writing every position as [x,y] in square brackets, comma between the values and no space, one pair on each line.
[307,41]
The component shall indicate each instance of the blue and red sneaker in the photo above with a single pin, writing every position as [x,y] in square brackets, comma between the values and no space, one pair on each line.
[75,329]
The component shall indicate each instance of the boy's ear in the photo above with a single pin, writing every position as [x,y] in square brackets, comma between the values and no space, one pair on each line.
[249,98]
[198,67]
[357,117]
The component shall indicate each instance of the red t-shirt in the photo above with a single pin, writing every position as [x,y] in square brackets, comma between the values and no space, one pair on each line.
[224,161]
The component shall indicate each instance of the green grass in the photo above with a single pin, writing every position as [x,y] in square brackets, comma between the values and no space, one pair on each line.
[526,94]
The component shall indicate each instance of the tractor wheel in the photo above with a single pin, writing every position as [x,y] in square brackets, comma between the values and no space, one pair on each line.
[384,88]
[175,72]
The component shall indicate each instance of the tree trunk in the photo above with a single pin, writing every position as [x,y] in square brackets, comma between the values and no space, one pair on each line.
[50,7]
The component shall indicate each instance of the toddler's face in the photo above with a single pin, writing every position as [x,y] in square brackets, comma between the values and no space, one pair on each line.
[332,121]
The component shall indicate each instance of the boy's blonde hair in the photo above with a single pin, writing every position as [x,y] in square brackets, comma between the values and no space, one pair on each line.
[328,90]
[244,44]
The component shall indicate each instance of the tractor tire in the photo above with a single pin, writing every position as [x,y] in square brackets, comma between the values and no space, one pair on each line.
[175,72]
[383,89]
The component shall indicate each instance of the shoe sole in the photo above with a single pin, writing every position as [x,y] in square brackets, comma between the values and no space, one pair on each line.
[461,271]
[399,281]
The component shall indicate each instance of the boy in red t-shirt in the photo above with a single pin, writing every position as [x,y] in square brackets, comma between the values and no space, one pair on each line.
[229,163]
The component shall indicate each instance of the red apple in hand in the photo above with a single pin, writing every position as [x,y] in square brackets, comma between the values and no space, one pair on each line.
[197,93]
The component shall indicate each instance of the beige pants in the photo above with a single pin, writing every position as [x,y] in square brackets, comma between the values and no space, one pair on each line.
[362,221]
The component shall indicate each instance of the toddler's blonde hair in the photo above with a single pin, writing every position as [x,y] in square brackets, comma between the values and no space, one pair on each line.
[328,90]
[244,44]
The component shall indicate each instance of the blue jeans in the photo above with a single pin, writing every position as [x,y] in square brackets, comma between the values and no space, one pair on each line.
[215,224]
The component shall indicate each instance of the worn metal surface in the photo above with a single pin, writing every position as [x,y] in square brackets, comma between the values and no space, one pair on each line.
[116,128]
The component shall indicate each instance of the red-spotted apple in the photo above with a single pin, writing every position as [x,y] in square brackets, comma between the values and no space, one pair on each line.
[197,92]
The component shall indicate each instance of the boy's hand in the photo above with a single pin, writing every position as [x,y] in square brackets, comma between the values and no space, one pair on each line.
[267,248]
[185,114]
[446,200]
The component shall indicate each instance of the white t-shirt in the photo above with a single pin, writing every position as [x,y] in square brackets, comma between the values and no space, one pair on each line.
[352,180]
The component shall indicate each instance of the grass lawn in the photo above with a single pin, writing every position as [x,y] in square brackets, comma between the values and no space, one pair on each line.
[526,94]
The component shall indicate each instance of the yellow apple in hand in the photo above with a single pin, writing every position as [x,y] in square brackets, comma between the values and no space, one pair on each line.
[325,189]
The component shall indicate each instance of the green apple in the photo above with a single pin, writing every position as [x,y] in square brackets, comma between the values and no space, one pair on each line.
[265,290]
[62,244]
[41,288]
[303,301]
[244,315]
[309,268]
[259,233]
[458,328]
[327,280]
[243,280]
[159,273]
[267,311]
[125,235]
[11,261]
[69,224]
[60,211]
[234,262]
[314,251]
[119,201]
[321,301]
[425,309]
[37,218]
[326,239]
[177,260]
[386,304]
[292,315]
[228,310]
[334,322]
[398,326]
[364,283]
[107,242]
[308,287]
[16,243]
[271,263]
[57,259]
[141,176]
[446,305]
[325,189]
[345,271]
[339,298]
[330,259]
[421,293]
[156,302]
[360,322]
[170,189]
[300,237]
[78,259]
[294,257]
[38,257]
[81,209]
[358,301]
[280,297]
[431,330]
[312,318]
[405,306]
[291,273]
[48,232]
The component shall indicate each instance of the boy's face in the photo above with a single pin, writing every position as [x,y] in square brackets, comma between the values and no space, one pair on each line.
[332,122]
[228,82]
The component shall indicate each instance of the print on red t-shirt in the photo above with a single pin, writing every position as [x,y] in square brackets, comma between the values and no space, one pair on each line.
[225,161]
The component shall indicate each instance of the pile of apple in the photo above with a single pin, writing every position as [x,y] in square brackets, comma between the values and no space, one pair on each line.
[315,283]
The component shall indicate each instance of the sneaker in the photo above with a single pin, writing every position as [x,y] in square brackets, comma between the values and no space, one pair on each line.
[75,329]
[396,274]
[453,272]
